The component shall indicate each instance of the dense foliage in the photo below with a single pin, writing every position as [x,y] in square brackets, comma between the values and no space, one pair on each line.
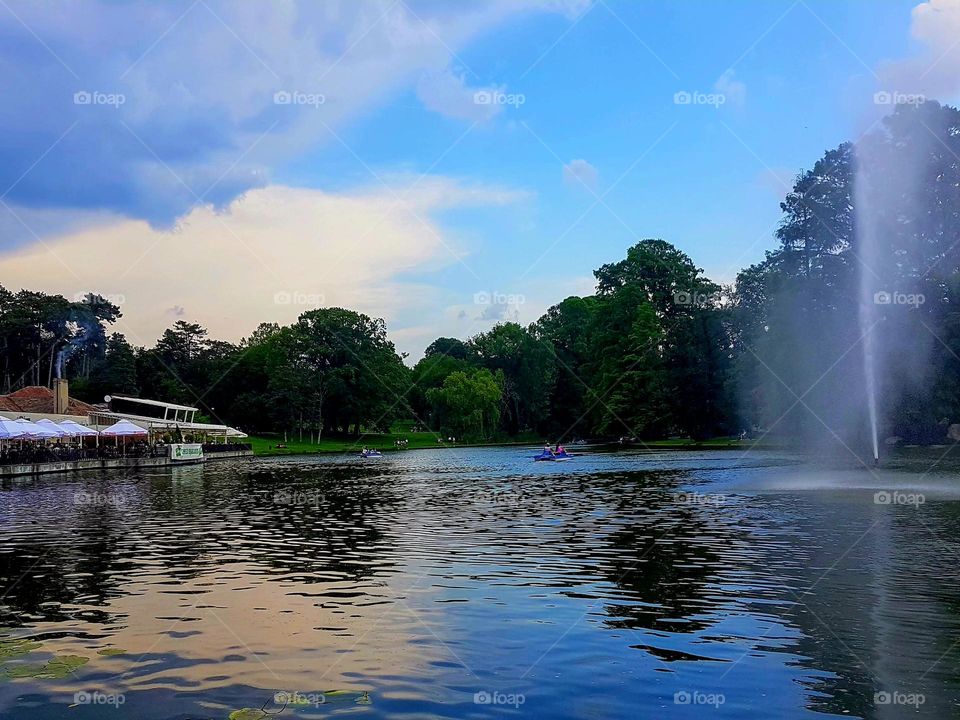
[658,350]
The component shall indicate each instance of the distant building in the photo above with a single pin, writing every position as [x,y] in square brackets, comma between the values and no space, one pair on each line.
[156,416]
[38,400]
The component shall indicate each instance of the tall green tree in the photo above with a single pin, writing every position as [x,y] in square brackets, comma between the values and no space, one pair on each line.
[529,370]
[467,405]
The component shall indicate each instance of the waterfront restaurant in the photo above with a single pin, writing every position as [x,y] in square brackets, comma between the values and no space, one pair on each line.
[161,419]
[77,435]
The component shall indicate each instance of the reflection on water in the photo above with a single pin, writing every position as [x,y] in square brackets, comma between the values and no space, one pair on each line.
[472,583]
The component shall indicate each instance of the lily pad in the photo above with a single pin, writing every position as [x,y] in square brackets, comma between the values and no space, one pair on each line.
[58,668]
[23,671]
[11,648]
[248,714]
[110,652]
[359,697]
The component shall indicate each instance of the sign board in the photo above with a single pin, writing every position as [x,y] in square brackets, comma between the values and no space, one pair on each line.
[186,451]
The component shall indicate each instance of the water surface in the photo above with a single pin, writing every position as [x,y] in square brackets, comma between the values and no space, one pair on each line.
[475,583]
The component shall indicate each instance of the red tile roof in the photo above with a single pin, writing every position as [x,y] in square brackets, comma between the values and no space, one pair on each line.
[38,399]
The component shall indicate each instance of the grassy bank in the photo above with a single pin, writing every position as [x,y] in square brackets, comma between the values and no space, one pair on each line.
[267,445]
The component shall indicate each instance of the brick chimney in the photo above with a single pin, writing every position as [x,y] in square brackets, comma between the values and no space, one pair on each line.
[61,396]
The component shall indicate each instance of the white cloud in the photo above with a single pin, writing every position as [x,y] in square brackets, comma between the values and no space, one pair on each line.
[580,173]
[935,72]
[733,90]
[200,115]
[274,253]
[449,95]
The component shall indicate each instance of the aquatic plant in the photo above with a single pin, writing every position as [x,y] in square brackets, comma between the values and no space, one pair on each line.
[57,668]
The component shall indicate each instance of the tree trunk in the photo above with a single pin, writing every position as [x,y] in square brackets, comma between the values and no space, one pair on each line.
[319,419]
[50,368]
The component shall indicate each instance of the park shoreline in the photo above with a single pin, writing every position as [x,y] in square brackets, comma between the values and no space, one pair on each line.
[355,447]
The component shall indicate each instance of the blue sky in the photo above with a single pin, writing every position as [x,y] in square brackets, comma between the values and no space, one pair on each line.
[386,184]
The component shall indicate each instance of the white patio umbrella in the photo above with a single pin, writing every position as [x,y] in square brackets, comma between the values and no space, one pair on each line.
[32,431]
[10,430]
[123,428]
[53,427]
[76,429]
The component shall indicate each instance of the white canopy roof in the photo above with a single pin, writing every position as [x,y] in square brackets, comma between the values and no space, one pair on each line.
[75,429]
[32,431]
[10,429]
[53,427]
[123,428]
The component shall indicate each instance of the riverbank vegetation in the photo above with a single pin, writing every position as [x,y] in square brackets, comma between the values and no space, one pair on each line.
[659,350]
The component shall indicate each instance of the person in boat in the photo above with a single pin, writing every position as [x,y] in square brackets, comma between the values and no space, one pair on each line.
[561,450]
[547,450]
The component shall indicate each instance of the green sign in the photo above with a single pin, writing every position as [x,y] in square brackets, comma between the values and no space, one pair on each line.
[181,451]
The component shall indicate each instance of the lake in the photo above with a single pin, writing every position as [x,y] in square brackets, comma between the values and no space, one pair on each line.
[475,583]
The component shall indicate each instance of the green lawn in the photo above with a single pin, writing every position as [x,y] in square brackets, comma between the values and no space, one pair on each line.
[267,445]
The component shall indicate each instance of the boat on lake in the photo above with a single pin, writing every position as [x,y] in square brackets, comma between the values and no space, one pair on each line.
[546,456]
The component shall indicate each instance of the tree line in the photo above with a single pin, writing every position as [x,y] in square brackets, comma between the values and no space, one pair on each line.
[658,350]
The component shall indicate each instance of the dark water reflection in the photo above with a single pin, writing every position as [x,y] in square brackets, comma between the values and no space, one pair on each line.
[617,585]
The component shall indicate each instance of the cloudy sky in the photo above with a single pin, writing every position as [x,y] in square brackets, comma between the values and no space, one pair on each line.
[442,165]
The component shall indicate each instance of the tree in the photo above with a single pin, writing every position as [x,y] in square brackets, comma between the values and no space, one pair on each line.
[348,368]
[567,327]
[449,347]
[881,216]
[430,372]
[529,371]
[115,373]
[45,335]
[672,351]
[468,403]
